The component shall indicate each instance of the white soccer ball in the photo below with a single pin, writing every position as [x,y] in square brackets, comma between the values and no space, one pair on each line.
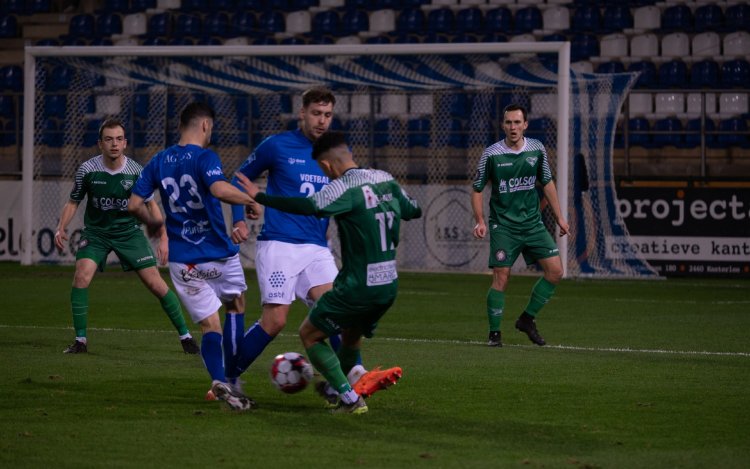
[291,372]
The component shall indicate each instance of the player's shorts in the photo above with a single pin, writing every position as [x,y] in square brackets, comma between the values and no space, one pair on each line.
[534,245]
[286,270]
[337,310]
[133,249]
[203,288]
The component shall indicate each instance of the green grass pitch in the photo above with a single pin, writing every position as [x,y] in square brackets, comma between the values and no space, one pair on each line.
[636,374]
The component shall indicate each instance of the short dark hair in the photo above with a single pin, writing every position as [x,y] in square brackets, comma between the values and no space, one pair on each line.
[328,141]
[516,107]
[110,124]
[318,94]
[194,111]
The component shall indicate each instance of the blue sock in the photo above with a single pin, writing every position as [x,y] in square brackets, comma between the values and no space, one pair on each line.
[335,341]
[212,355]
[234,327]
[253,344]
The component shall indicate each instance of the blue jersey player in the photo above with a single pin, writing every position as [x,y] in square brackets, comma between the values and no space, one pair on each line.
[204,263]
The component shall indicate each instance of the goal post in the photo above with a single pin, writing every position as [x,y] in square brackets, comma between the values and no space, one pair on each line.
[168,76]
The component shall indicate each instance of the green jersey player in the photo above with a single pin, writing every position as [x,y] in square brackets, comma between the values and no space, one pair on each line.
[106,181]
[514,166]
[368,206]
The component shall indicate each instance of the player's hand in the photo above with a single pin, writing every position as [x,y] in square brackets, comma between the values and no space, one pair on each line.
[480,230]
[251,188]
[564,228]
[60,237]
[240,233]
[253,211]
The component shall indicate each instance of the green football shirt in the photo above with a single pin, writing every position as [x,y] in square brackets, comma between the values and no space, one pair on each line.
[514,202]
[108,193]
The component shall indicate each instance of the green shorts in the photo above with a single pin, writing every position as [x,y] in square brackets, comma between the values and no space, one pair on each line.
[534,245]
[336,310]
[133,249]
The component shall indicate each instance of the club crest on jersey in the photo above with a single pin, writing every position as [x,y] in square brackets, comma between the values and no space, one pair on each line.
[532,160]
[502,186]
[83,243]
[500,255]
[126,184]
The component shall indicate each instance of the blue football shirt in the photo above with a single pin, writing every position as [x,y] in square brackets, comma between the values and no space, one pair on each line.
[291,173]
[194,220]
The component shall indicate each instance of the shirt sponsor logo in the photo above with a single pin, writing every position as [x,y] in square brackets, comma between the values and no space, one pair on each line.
[372,199]
[505,164]
[193,273]
[214,172]
[193,231]
[293,161]
[525,183]
[95,181]
[381,273]
[109,203]
[143,259]
[316,178]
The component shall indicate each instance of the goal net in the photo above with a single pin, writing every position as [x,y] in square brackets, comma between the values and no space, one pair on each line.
[422,112]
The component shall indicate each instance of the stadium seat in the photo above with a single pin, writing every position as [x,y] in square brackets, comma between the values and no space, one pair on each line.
[640,104]
[188,25]
[244,23]
[708,17]
[586,18]
[356,21]
[498,21]
[52,135]
[737,17]
[272,22]
[470,20]
[737,44]
[326,22]
[8,26]
[160,24]
[40,6]
[647,18]
[216,24]
[670,126]
[387,131]
[707,44]
[379,39]
[736,128]
[82,26]
[610,67]
[140,6]
[194,6]
[108,24]
[695,104]
[675,46]
[617,17]
[556,18]
[528,19]
[441,20]
[614,46]
[7,106]
[677,18]
[11,78]
[584,46]
[135,24]
[91,135]
[419,132]
[60,78]
[115,6]
[13,7]
[250,5]
[639,128]
[733,104]
[11,134]
[456,135]
[538,128]
[644,46]
[673,74]
[299,22]
[704,74]
[154,41]
[381,21]
[669,104]
[693,139]
[411,21]
[735,73]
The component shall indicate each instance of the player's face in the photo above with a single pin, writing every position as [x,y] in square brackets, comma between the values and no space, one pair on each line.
[315,119]
[514,126]
[113,142]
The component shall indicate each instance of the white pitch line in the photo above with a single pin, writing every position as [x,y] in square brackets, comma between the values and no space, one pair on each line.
[446,341]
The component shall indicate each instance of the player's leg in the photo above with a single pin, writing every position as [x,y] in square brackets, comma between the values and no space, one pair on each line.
[79,303]
[504,250]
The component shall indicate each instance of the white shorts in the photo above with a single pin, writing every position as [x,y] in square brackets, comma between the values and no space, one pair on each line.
[286,270]
[203,288]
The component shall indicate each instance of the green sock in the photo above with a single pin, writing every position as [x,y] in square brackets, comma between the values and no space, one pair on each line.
[79,305]
[171,305]
[348,358]
[324,359]
[495,306]
[540,295]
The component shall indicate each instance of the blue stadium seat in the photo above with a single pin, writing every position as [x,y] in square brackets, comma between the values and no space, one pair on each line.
[470,20]
[7,106]
[610,67]
[467,37]
[498,21]
[693,139]
[59,78]
[154,41]
[737,17]
[8,26]
[82,25]
[244,23]
[411,20]
[40,6]
[708,18]
[583,46]
[326,22]
[586,18]
[528,19]
[538,128]
[408,38]
[216,24]
[736,126]
[669,125]
[648,77]
[735,73]
[10,134]
[250,5]
[11,78]
[220,5]
[456,135]
[385,130]
[677,18]
[52,136]
[272,22]
[108,24]
[673,74]
[418,132]
[194,6]
[13,7]
[115,6]
[638,128]
[379,39]
[277,5]
[441,20]
[355,21]
[91,135]
[138,6]
[617,17]
[704,74]
[160,24]
[437,38]
[187,25]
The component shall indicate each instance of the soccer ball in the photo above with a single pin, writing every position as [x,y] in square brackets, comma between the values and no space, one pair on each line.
[291,372]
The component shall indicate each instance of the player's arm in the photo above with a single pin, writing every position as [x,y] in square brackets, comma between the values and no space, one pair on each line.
[138,208]
[480,229]
[162,248]
[410,208]
[550,193]
[226,192]
[61,232]
[297,205]
[251,168]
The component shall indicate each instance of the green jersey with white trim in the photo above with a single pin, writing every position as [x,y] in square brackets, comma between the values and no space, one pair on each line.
[108,193]
[514,202]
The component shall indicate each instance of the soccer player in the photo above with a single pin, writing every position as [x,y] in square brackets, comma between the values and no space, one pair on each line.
[292,256]
[514,166]
[107,180]
[204,264]
[368,206]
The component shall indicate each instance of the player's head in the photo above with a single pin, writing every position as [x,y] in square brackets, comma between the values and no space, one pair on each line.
[515,122]
[317,112]
[197,121]
[112,141]
[332,153]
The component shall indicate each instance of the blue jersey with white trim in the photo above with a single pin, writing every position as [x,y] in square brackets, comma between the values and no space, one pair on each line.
[194,220]
[292,173]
